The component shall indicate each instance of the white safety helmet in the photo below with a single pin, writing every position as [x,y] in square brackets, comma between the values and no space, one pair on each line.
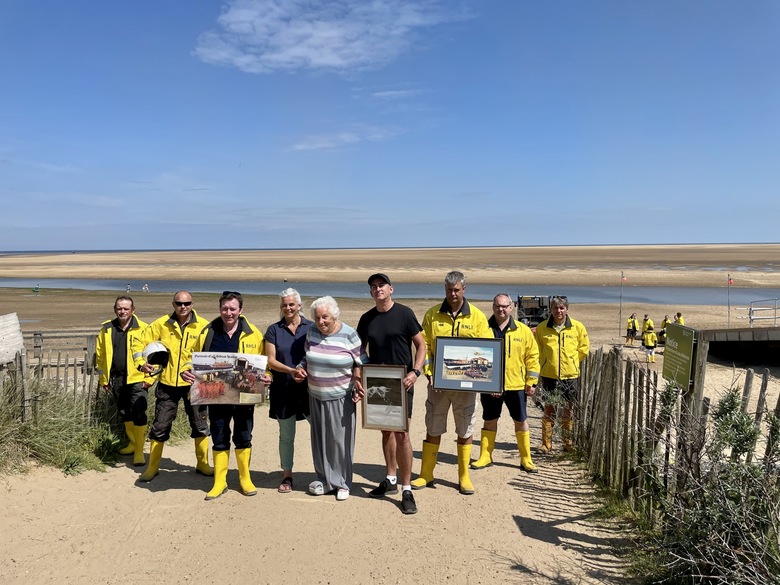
[156,354]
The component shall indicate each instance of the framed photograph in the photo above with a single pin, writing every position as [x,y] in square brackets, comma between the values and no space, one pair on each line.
[384,404]
[228,378]
[470,364]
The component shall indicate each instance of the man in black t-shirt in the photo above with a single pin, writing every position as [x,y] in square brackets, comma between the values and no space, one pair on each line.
[388,332]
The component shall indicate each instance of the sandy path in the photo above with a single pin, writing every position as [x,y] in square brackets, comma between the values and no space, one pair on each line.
[104,528]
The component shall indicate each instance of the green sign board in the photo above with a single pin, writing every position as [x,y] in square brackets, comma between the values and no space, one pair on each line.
[678,355]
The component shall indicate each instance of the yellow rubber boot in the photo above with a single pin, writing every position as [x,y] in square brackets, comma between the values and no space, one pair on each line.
[524,447]
[567,430]
[486,445]
[547,429]
[155,453]
[202,457]
[221,459]
[130,448]
[429,453]
[464,482]
[243,457]
[140,439]
[652,358]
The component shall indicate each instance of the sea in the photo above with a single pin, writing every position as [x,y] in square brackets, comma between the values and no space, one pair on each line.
[651,295]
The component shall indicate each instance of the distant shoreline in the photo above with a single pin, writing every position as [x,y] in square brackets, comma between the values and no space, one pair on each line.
[679,265]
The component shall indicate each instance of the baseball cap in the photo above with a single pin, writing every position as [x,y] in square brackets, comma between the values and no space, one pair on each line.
[379,275]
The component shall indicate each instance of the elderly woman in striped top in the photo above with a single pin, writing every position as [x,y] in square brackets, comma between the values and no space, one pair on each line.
[332,365]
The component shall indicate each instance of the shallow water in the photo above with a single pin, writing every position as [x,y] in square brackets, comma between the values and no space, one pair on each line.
[653,295]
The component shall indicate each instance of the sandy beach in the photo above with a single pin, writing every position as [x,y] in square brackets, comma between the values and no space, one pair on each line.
[105,528]
[684,265]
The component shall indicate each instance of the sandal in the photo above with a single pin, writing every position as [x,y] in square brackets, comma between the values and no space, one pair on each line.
[286,486]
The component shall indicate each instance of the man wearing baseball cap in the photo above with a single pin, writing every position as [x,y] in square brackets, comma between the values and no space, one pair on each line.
[388,332]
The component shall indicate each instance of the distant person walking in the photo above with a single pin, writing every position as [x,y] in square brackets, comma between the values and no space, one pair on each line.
[650,341]
[647,322]
[127,288]
[117,374]
[145,287]
[563,346]
[662,332]
[632,327]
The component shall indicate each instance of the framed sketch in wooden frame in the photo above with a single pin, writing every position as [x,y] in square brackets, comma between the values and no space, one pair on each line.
[384,403]
[470,364]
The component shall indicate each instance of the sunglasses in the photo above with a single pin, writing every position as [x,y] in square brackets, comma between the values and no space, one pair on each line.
[230,292]
[182,303]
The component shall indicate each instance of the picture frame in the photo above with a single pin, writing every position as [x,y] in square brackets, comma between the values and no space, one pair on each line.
[385,406]
[228,378]
[469,364]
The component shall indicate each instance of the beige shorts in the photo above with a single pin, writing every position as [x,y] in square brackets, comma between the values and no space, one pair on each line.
[464,411]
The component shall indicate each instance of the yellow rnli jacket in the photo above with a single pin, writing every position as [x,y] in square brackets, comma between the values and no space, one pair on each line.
[650,339]
[470,322]
[632,324]
[560,353]
[249,341]
[104,351]
[179,342]
[647,323]
[521,356]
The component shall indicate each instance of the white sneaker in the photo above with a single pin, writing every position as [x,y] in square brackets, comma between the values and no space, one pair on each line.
[342,494]
[316,488]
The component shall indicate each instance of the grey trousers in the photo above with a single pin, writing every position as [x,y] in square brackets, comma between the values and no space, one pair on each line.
[333,441]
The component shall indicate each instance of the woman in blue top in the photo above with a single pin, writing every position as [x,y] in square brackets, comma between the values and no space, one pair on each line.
[284,346]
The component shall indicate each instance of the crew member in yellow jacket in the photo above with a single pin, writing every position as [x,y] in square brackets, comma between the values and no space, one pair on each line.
[117,374]
[521,372]
[455,317]
[563,345]
[178,332]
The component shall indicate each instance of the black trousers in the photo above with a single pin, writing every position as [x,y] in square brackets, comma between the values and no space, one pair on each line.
[165,413]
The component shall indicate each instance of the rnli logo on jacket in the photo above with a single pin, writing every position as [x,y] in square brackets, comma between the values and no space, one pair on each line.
[250,346]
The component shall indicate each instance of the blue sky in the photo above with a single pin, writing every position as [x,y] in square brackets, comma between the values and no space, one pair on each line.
[360,123]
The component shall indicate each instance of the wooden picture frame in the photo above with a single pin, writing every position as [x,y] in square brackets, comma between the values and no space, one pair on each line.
[469,364]
[385,404]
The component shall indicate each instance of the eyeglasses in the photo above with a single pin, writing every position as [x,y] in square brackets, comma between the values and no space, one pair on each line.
[182,303]
[504,307]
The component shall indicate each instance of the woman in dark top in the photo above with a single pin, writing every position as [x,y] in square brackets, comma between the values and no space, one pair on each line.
[284,346]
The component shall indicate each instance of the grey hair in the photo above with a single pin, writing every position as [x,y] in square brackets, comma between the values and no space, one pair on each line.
[454,277]
[559,301]
[495,298]
[290,292]
[327,302]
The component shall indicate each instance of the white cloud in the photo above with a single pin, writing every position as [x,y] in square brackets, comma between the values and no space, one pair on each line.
[261,36]
[398,94]
[346,138]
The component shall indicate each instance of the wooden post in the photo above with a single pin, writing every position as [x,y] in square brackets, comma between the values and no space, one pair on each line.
[747,389]
[26,405]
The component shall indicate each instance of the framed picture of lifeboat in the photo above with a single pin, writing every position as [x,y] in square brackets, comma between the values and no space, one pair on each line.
[469,364]
[385,401]
[228,378]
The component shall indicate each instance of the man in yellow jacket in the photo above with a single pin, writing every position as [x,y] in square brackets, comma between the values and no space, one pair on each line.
[178,332]
[563,345]
[521,372]
[117,374]
[455,317]
[230,333]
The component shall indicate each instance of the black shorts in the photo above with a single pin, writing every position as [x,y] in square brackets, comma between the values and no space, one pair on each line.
[515,403]
[631,333]
[553,390]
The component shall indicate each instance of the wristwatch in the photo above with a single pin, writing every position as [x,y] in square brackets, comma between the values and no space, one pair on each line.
[417,373]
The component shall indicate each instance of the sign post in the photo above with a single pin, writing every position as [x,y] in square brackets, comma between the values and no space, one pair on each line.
[679,355]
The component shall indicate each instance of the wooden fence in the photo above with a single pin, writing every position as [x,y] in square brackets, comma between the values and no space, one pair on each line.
[632,431]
